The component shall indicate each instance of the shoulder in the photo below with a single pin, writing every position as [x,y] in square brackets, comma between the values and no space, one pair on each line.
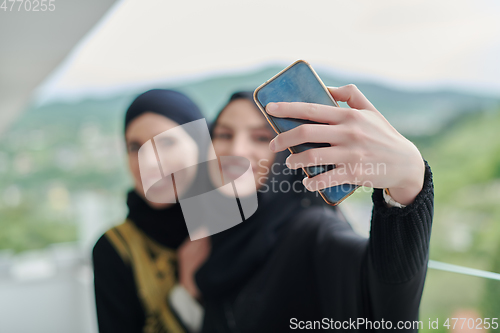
[110,248]
[104,253]
[102,247]
[119,239]
[111,272]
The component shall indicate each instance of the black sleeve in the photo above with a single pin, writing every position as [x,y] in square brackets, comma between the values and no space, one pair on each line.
[117,303]
[398,254]
[382,277]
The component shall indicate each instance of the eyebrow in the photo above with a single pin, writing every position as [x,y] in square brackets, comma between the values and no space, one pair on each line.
[133,142]
[265,127]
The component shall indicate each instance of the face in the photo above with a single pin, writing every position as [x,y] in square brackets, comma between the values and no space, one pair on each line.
[241,130]
[177,153]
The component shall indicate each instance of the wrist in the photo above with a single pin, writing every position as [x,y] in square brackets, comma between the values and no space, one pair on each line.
[190,286]
[389,201]
[410,187]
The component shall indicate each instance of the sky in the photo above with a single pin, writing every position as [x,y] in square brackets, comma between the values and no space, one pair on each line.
[424,44]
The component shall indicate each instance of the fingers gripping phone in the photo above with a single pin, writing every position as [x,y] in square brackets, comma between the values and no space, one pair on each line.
[300,83]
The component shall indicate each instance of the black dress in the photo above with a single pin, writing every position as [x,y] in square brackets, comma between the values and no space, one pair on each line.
[118,305]
[134,264]
[321,274]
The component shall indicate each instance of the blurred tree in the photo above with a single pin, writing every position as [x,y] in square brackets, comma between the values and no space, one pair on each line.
[490,306]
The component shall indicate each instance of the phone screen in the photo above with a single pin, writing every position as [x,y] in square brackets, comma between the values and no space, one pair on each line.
[299,83]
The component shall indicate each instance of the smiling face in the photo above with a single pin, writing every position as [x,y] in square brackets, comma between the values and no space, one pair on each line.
[176,151]
[241,130]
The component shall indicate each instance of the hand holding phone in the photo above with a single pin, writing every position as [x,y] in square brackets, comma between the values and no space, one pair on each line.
[300,83]
[364,147]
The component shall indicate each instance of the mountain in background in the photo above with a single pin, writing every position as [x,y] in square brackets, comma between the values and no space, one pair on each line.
[56,154]
[411,112]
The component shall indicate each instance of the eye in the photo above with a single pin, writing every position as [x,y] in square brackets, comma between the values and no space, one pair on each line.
[133,147]
[223,136]
[262,138]
[165,142]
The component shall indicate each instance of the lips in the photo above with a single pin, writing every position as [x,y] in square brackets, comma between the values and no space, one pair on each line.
[233,167]
[233,171]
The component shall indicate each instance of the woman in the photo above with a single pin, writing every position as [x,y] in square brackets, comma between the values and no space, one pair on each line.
[293,267]
[137,278]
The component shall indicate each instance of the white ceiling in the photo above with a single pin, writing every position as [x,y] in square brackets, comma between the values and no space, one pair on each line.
[32,44]
[419,43]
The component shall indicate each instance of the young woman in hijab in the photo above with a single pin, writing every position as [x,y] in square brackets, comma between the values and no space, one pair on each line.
[137,277]
[292,266]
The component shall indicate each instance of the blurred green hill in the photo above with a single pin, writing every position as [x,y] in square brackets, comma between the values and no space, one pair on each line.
[465,160]
[56,152]
[63,172]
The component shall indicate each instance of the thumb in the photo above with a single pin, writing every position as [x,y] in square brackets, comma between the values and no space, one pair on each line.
[352,96]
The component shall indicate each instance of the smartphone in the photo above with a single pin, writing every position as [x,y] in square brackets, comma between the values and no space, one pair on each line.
[300,83]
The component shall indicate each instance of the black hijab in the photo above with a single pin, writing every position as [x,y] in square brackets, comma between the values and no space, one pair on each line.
[238,252]
[166,226]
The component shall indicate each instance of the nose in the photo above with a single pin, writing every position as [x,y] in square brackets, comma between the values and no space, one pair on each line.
[240,146]
[147,159]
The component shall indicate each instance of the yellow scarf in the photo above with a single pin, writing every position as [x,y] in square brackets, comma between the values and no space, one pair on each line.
[154,268]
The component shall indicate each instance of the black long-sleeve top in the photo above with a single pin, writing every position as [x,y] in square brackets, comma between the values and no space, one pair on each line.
[117,302]
[322,273]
